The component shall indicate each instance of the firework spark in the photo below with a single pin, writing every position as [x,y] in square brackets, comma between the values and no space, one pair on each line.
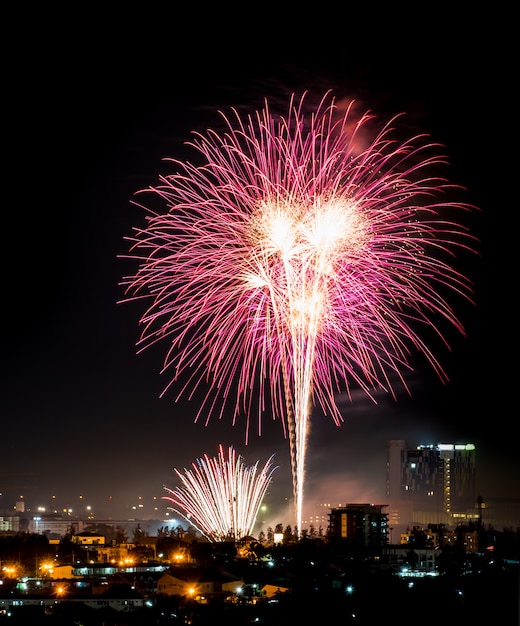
[221,498]
[299,260]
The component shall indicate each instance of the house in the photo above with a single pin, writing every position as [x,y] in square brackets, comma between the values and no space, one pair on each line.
[118,597]
[197,582]
[63,571]
[89,539]
[271,591]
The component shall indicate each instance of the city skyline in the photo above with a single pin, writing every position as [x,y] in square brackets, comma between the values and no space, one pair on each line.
[81,412]
[273,510]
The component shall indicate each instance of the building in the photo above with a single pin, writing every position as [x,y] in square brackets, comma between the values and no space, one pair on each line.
[198,583]
[364,525]
[431,484]
[47,602]
[410,563]
[9,523]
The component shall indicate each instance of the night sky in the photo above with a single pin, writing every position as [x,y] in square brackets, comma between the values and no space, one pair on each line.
[92,106]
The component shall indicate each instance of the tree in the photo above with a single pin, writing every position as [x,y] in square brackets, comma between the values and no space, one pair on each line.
[139,534]
[121,535]
[288,535]
[162,532]
[178,532]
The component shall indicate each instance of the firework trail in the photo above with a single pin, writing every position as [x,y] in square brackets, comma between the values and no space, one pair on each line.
[303,257]
[221,498]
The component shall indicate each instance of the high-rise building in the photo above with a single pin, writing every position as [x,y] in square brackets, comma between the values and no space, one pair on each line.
[364,525]
[431,484]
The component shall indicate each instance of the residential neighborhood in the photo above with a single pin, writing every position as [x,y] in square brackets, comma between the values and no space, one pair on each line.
[171,579]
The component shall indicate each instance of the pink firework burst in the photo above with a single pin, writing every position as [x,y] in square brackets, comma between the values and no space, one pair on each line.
[298,260]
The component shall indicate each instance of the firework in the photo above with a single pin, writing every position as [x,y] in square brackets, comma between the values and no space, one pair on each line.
[221,497]
[301,259]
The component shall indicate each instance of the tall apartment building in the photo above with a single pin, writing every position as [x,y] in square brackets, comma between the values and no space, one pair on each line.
[364,525]
[431,484]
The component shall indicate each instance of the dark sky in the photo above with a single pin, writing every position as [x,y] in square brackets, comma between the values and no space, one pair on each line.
[91,107]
